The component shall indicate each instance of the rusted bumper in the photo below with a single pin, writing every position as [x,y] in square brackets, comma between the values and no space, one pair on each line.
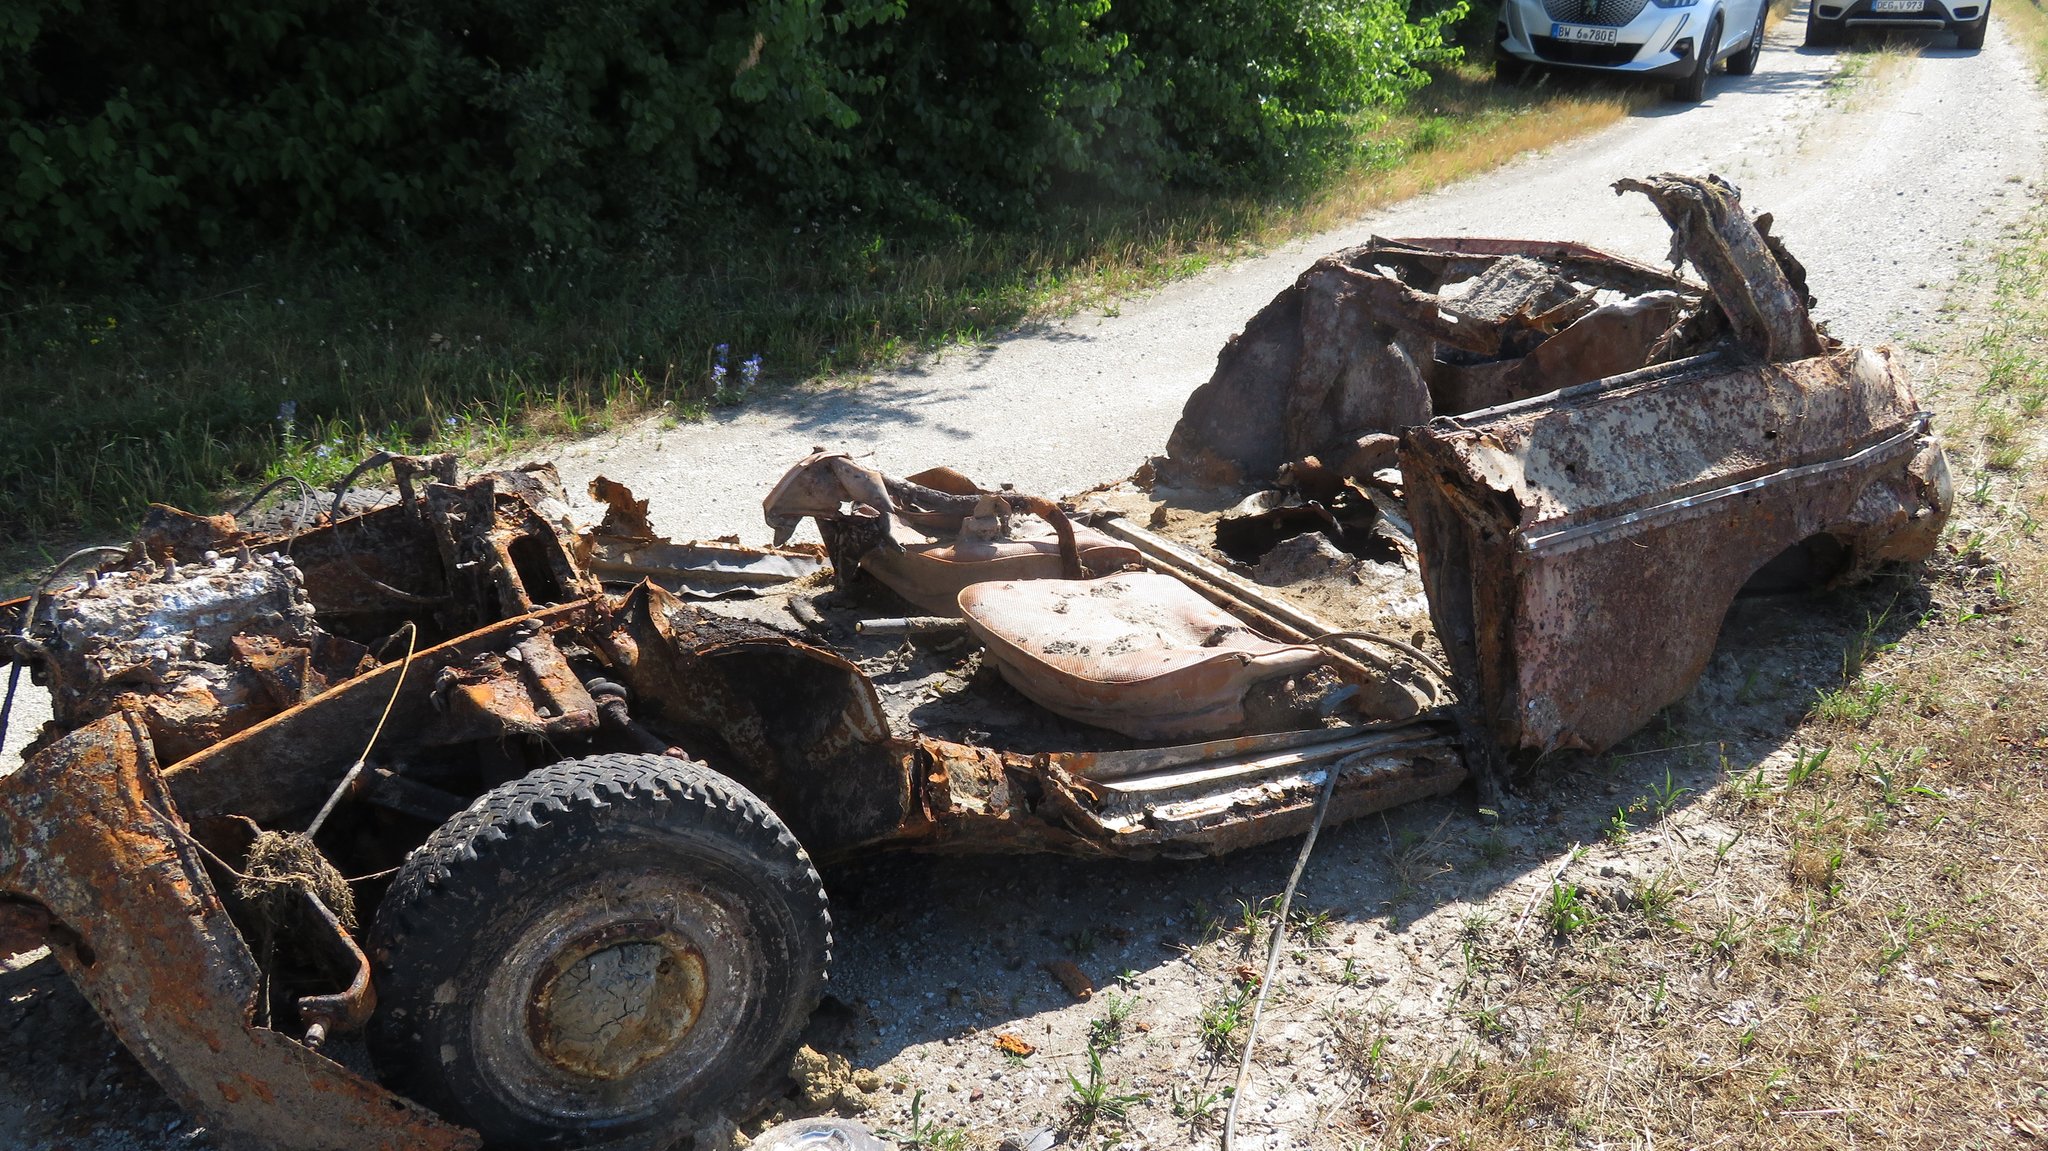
[1580,549]
[88,832]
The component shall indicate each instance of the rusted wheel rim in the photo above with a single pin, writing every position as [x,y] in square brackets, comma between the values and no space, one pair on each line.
[616,1000]
[610,1005]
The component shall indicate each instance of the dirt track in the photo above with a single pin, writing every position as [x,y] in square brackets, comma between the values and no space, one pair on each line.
[1888,188]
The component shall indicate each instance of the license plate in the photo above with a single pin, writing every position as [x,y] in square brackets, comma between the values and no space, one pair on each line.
[1898,5]
[1580,34]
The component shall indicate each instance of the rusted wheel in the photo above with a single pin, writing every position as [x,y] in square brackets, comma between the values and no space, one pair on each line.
[597,954]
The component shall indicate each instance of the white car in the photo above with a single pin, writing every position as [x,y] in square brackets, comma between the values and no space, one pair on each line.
[1828,22]
[1679,40]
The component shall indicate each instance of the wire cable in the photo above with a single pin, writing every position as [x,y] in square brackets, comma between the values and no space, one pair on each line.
[1432,666]
[1440,689]
[348,554]
[307,495]
[1251,1035]
[355,769]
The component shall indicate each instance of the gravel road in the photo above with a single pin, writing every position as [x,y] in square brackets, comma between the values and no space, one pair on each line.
[1888,187]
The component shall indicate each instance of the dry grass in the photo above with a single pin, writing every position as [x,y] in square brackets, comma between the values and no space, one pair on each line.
[1869,973]
[1503,124]
[2026,21]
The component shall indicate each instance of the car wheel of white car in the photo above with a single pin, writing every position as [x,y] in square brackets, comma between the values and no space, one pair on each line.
[1822,33]
[1970,37]
[1693,88]
[1743,63]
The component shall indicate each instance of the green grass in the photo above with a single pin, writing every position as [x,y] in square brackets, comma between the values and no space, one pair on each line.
[214,376]
[924,1135]
[1565,912]
[1107,1030]
[1220,1025]
[1097,1099]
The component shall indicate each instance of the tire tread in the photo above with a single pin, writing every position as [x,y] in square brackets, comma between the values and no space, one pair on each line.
[672,791]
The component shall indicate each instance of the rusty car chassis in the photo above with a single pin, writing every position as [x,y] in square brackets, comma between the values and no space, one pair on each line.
[575,781]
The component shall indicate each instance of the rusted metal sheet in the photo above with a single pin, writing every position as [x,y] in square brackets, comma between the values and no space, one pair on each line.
[1195,799]
[1580,553]
[288,764]
[23,927]
[624,549]
[89,833]
[979,800]
[927,542]
[796,724]
[1755,282]
[1381,337]
[1230,794]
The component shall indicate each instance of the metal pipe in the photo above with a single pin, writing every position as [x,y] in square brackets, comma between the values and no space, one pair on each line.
[912,625]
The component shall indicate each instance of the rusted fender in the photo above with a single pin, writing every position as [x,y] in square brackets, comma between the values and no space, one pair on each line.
[1580,550]
[88,831]
[798,725]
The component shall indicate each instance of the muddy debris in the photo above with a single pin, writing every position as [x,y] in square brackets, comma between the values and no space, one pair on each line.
[826,1081]
[1071,977]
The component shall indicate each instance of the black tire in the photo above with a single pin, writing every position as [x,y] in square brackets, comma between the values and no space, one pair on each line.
[670,882]
[1822,33]
[1693,88]
[1743,63]
[1970,37]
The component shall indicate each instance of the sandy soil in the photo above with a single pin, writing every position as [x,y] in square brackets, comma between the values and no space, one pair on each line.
[1888,188]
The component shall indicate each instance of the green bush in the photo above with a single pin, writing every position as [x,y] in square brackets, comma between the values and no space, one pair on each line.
[139,130]
[1249,91]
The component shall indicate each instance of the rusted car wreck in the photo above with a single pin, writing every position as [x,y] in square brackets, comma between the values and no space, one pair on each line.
[446,824]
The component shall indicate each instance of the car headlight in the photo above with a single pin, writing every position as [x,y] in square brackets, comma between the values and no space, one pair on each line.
[1674,3]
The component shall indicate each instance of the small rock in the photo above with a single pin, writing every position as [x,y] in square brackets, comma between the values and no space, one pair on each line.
[1308,556]
[1040,1140]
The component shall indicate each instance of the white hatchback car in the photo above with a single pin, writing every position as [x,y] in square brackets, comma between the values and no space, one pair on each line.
[1679,40]
[1830,21]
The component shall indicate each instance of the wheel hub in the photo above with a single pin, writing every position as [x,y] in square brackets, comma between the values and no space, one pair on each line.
[616,999]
